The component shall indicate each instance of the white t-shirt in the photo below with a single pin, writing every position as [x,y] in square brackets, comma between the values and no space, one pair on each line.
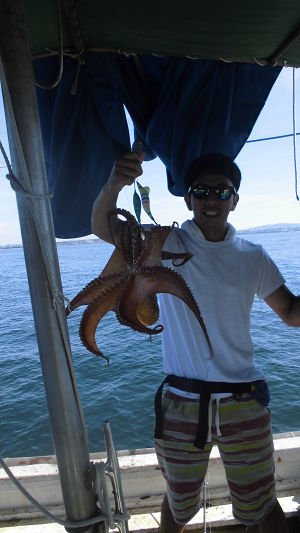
[224,278]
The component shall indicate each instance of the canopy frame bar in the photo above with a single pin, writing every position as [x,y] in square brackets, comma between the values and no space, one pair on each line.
[283,47]
[69,432]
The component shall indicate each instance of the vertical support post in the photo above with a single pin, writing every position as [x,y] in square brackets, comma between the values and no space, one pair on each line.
[69,433]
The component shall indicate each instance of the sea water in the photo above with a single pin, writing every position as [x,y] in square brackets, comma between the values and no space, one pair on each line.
[122,392]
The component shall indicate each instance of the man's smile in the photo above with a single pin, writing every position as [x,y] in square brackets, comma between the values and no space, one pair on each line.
[210,212]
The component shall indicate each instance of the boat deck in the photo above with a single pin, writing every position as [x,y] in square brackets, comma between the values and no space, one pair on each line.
[146,523]
[143,488]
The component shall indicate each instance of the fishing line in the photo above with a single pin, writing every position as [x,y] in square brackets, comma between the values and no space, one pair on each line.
[127,198]
[294,134]
[204,506]
[208,491]
[206,498]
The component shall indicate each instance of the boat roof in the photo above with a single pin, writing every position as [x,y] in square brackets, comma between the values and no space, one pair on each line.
[256,30]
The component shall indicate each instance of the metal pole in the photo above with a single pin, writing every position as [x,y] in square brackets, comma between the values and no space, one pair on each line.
[69,433]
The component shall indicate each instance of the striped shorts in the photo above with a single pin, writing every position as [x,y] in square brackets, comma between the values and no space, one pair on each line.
[246,449]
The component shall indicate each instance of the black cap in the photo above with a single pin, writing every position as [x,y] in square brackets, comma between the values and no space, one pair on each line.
[217,163]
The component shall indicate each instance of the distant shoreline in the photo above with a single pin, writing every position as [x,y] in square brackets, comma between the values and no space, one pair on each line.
[60,243]
[267,230]
[272,228]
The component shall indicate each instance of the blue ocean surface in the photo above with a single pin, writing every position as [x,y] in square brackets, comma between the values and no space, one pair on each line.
[122,392]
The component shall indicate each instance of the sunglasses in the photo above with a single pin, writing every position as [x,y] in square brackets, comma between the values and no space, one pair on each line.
[200,192]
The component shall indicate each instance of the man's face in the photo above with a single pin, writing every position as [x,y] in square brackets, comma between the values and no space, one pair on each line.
[211,213]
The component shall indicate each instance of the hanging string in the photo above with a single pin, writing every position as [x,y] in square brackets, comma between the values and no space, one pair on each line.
[294,133]
[56,82]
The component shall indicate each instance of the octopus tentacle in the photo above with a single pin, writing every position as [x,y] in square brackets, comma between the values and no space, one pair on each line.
[128,216]
[175,256]
[154,241]
[114,269]
[136,325]
[102,304]
[131,243]
[166,280]
[92,290]
[130,236]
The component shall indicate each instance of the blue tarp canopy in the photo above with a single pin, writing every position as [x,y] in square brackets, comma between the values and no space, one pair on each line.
[138,54]
[180,108]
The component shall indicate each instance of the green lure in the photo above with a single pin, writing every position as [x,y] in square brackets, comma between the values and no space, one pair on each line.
[143,201]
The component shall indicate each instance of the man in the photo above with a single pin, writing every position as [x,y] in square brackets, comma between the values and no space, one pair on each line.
[224,274]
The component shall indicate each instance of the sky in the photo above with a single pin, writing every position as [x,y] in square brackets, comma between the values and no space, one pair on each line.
[267,192]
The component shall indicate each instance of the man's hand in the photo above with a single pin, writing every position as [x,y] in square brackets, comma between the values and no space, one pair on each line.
[126,169]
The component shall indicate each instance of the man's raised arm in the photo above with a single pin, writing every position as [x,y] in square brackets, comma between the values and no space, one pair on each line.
[125,170]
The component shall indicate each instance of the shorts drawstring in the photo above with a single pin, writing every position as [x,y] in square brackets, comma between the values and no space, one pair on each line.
[204,389]
[218,418]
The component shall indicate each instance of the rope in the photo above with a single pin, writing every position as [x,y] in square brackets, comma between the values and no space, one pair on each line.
[18,187]
[45,512]
[7,163]
[61,55]
[274,137]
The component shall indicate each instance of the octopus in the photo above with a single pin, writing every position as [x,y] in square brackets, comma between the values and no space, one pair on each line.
[130,281]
